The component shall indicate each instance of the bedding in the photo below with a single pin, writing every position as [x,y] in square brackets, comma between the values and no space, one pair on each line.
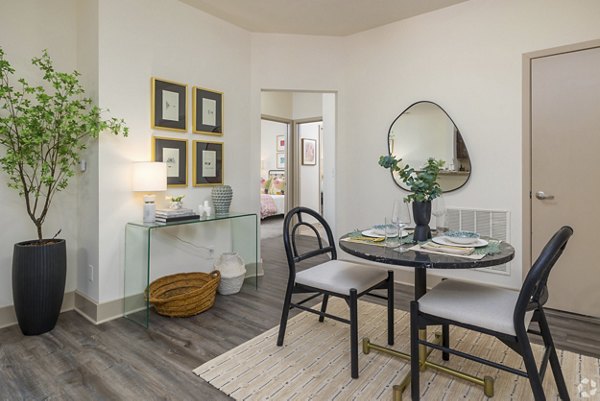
[271,205]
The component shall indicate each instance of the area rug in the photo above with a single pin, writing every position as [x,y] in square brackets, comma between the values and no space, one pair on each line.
[314,364]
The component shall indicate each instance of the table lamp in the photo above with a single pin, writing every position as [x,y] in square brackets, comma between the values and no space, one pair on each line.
[149,177]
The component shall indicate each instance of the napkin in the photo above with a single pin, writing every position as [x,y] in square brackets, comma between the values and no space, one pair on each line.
[454,250]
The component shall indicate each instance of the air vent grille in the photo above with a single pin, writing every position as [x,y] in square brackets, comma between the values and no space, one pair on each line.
[491,223]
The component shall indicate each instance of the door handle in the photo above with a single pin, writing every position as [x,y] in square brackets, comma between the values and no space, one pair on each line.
[542,196]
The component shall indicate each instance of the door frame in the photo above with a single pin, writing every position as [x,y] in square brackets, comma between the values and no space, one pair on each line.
[526,145]
[298,153]
[290,173]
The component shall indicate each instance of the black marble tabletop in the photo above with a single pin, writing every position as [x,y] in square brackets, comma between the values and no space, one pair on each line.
[425,260]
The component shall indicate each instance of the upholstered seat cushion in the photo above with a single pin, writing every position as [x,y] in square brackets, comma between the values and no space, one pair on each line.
[479,305]
[340,276]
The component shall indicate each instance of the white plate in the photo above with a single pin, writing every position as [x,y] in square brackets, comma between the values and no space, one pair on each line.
[374,233]
[444,241]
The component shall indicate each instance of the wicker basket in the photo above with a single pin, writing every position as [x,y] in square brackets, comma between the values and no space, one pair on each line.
[184,294]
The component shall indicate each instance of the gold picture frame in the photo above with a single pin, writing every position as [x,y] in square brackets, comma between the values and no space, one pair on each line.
[207,111]
[172,151]
[207,161]
[168,105]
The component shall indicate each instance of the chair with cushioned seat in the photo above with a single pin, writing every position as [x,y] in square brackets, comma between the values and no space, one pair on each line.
[499,312]
[346,280]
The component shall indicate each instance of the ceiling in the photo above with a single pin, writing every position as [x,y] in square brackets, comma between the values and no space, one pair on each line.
[316,17]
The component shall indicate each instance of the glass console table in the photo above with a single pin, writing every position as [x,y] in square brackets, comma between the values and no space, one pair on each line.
[234,232]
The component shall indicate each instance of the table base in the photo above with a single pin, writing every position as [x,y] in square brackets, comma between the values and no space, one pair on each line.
[487,382]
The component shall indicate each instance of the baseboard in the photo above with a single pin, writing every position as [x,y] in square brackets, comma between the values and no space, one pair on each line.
[9,318]
[97,313]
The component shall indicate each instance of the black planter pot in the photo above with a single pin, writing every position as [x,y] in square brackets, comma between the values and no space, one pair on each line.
[38,282]
[422,215]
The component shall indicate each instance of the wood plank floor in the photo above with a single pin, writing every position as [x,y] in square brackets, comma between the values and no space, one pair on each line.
[120,360]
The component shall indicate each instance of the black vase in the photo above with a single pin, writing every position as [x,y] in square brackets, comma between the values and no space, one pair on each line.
[38,282]
[422,215]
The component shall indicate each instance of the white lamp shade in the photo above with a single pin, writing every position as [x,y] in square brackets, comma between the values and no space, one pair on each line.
[149,176]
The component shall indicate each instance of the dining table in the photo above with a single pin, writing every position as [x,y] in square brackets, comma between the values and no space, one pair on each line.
[417,256]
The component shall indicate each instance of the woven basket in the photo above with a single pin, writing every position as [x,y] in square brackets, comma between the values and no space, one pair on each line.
[184,294]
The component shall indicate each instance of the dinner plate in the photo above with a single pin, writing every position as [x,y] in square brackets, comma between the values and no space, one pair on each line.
[445,241]
[376,233]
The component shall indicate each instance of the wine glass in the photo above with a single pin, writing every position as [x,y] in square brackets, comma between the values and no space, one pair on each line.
[400,219]
[438,209]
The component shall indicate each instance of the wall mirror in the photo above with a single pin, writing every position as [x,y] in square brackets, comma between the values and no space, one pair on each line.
[425,130]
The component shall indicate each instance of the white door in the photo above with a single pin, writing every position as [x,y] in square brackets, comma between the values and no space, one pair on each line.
[565,169]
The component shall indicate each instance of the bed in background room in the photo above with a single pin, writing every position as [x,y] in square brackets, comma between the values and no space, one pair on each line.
[272,195]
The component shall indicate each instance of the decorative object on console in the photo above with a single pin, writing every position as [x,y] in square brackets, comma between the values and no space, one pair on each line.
[169,105]
[233,270]
[424,186]
[173,152]
[207,112]
[164,216]
[221,197]
[175,202]
[184,294]
[43,129]
[149,177]
[205,209]
[207,163]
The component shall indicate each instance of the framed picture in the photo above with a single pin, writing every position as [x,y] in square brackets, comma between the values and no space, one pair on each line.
[207,112]
[208,163]
[281,143]
[169,105]
[280,162]
[173,152]
[309,152]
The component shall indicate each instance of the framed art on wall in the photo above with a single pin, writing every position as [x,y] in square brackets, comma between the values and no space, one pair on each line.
[207,114]
[173,152]
[281,143]
[169,105]
[280,162]
[309,152]
[207,163]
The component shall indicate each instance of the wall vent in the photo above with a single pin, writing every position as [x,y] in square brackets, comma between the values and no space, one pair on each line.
[492,223]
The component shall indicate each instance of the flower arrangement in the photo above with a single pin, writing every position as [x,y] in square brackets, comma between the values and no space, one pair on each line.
[423,183]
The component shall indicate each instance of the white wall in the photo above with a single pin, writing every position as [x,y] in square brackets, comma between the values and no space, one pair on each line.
[26,28]
[307,105]
[468,59]
[139,39]
[277,104]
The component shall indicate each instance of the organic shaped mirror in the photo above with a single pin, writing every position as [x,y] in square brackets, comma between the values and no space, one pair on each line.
[425,130]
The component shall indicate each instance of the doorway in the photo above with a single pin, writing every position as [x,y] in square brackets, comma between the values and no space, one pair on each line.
[564,137]
[309,151]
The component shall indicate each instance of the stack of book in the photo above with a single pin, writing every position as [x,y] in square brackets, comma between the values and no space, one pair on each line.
[164,216]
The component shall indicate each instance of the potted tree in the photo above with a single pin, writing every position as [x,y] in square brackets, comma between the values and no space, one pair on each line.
[424,186]
[43,129]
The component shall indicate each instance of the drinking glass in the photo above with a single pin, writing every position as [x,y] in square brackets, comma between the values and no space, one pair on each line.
[438,209]
[400,218]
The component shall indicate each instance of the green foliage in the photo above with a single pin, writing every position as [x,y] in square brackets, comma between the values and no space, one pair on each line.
[423,183]
[177,198]
[43,129]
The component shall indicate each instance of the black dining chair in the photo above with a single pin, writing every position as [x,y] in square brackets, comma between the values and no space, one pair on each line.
[337,278]
[499,312]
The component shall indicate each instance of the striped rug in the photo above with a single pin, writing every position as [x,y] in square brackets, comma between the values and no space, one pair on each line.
[314,364]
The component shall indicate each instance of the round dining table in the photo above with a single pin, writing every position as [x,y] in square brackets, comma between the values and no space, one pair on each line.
[421,261]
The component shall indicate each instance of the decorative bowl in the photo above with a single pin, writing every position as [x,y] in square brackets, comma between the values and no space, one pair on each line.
[462,237]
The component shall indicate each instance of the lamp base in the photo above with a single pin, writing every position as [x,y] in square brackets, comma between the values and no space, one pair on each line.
[149,209]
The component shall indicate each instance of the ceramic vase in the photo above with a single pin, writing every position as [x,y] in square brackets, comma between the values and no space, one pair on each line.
[221,197]
[422,215]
